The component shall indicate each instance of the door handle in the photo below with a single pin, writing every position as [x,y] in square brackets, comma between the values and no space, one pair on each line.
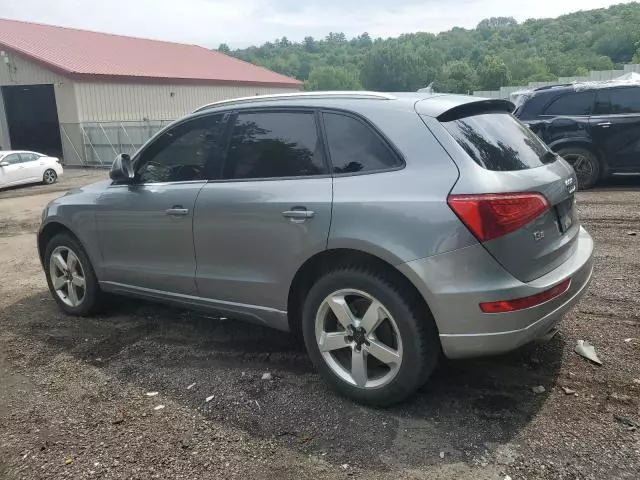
[298,214]
[177,211]
[604,124]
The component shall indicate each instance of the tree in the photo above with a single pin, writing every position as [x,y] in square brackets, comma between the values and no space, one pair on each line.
[224,48]
[498,52]
[457,77]
[497,22]
[493,73]
[395,67]
[618,45]
[333,78]
[310,45]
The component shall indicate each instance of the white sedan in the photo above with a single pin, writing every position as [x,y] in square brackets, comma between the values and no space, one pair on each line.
[19,166]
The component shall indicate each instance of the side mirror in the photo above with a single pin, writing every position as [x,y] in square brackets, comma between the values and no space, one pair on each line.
[4,164]
[122,169]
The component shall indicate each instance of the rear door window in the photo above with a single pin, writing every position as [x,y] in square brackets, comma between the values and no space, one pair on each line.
[275,144]
[28,157]
[497,141]
[618,101]
[572,104]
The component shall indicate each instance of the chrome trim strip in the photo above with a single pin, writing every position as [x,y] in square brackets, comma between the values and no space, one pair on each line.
[293,96]
[190,297]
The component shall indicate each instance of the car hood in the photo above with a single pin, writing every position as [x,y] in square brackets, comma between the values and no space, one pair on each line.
[92,188]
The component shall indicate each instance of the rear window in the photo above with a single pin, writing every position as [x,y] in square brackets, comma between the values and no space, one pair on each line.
[497,141]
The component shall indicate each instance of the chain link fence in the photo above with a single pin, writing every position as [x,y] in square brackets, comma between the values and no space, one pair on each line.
[95,144]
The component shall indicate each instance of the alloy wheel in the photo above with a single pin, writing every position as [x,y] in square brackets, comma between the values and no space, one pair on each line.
[50,177]
[582,165]
[358,338]
[67,276]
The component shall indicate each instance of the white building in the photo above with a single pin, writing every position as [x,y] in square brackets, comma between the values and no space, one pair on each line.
[87,96]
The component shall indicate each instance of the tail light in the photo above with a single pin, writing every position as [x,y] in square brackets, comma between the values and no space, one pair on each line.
[526,302]
[494,215]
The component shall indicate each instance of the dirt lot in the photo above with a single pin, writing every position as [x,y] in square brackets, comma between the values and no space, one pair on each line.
[73,400]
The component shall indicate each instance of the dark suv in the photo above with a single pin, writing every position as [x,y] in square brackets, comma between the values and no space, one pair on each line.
[595,126]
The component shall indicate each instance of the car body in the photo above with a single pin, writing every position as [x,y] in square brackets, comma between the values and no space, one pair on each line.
[428,222]
[19,167]
[601,118]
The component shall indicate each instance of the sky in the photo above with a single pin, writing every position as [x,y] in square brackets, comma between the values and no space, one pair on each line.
[241,23]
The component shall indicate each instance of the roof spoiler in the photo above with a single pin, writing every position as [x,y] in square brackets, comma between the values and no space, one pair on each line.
[476,108]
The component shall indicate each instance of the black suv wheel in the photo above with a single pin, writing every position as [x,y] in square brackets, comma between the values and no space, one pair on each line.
[585,164]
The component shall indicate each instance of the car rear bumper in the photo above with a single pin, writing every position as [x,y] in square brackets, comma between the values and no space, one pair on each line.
[455,283]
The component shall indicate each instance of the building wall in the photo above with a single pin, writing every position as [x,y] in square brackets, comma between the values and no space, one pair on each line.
[126,102]
[100,119]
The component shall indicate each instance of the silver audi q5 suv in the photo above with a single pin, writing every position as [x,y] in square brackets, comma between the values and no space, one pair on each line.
[387,229]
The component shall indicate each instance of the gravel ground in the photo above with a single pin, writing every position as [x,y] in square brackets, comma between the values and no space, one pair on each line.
[74,403]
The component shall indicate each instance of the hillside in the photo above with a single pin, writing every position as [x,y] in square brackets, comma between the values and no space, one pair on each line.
[499,51]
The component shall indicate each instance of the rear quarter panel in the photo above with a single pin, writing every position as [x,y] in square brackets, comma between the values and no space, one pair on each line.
[559,131]
[399,215]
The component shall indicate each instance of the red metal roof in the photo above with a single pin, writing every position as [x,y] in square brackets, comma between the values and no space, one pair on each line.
[101,56]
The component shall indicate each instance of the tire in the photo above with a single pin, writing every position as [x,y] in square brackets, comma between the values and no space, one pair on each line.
[406,329]
[49,177]
[585,163]
[90,300]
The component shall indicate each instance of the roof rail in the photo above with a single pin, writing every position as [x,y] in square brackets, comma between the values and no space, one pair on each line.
[300,95]
[547,87]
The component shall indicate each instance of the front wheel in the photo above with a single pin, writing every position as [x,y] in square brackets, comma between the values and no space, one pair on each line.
[371,339]
[50,177]
[70,276]
[585,164]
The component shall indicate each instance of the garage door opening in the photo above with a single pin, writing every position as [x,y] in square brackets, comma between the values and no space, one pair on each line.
[32,118]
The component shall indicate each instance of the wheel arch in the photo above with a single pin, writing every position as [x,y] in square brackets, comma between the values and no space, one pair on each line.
[581,143]
[322,262]
[50,230]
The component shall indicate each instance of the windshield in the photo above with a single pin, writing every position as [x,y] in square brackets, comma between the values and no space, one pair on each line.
[497,141]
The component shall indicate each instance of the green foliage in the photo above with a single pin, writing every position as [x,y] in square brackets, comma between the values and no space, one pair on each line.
[493,73]
[498,52]
[333,78]
[457,77]
[396,66]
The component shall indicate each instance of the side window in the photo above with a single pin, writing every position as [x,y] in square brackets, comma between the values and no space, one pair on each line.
[274,144]
[624,100]
[572,104]
[28,157]
[190,151]
[12,159]
[355,147]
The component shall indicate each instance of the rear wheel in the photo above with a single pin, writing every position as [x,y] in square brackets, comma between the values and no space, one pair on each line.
[367,337]
[50,176]
[585,163]
[70,276]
